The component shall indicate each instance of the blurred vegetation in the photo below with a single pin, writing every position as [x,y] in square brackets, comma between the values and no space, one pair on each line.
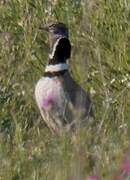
[100,62]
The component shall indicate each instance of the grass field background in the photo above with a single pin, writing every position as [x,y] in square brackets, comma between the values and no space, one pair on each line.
[100,62]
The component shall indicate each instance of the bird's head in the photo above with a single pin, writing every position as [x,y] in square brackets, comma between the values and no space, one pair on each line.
[59,40]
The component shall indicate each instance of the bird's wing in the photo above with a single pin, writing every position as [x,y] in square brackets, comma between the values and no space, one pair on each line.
[58,117]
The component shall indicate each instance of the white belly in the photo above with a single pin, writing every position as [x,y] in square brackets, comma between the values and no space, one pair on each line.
[49,89]
[53,103]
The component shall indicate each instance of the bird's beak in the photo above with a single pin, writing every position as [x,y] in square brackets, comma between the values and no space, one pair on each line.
[44,27]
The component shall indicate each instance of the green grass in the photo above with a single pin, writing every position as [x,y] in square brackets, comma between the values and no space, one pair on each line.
[100,62]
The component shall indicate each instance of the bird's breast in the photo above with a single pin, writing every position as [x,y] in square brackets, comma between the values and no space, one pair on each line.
[48,92]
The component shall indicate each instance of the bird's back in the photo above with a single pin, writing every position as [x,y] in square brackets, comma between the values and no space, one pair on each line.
[78,96]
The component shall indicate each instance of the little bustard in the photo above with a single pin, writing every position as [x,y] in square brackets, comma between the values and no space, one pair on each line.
[57,94]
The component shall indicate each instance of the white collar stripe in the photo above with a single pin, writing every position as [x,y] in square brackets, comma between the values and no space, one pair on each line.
[56,67]
[54,48]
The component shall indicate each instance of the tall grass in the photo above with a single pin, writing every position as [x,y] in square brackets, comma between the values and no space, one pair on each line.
[99,32]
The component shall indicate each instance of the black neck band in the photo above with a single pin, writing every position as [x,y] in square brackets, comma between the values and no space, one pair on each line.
[56,61]
[53,74]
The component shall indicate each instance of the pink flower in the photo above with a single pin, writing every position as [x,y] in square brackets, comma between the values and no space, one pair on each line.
[92,178]
[118,177]
[125,166]
[48,101]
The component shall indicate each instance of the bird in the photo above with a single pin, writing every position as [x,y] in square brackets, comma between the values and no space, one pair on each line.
[60,99]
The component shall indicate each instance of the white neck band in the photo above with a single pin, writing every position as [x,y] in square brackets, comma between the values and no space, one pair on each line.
[56,67]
